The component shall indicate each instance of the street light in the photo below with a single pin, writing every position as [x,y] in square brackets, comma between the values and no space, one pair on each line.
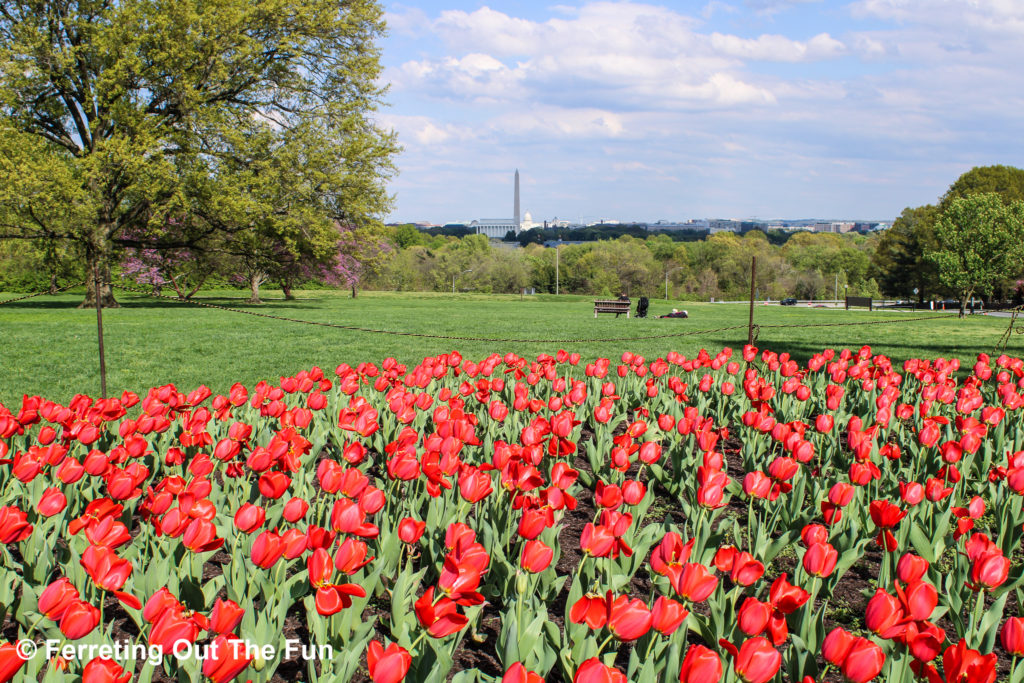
[670,270]
[455,274]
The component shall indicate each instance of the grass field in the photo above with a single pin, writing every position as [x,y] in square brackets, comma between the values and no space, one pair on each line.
[48,346]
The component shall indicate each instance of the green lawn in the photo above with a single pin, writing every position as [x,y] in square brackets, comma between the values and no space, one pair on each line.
[48,346]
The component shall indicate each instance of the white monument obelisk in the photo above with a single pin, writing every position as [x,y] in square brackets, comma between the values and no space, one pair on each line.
[515,207]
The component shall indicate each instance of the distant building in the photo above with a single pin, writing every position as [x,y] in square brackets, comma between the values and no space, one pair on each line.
[689,226]
[834,226]
[724,225]
[497,228]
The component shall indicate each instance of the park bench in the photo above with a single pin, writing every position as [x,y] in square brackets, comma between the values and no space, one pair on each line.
[616,306]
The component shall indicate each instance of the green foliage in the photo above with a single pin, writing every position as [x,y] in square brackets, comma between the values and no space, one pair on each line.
[1006,181]
[176,124]
[981,241]
[900,258]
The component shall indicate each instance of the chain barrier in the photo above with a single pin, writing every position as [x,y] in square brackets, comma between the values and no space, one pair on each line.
[56,291]
[354,328]
[1016,324]
[756,328]
[1013,327]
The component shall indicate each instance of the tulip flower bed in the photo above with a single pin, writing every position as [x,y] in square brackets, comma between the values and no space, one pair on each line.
[733,517]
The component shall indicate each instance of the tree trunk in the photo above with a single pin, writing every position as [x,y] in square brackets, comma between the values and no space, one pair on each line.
[287,289]
[353,291]
[255,280]
[97,263]
[53,282]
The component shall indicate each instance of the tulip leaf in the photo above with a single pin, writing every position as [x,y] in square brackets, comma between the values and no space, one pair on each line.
[924,546]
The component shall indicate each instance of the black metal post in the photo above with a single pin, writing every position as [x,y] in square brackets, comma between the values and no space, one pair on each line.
[99,327]
[750,324]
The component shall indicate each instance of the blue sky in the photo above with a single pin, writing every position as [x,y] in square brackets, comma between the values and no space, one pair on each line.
[719,109]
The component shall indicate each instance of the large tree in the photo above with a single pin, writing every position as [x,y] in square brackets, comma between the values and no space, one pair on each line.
[162,123]
[900,256]
[1006,181]
[981,242]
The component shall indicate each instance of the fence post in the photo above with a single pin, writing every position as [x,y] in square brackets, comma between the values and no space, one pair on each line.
[750,324]
[99,327]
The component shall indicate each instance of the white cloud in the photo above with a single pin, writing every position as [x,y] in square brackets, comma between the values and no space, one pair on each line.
[556,122]
[746,116]
[620,55]
[776,48]
[423,130]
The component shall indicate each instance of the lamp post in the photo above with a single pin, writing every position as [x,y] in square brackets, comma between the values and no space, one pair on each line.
[454,275]
[667,272]
[557,247]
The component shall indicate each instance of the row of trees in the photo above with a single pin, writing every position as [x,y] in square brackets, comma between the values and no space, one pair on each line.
[808,265]
[182,143]
[969,244]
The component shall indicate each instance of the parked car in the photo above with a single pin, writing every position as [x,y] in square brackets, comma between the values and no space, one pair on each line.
[788,302]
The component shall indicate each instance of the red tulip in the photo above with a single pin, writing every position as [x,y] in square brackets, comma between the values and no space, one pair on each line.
[837,646]
[410,530]
[745,569]
[960,663]
[200,536]
[989,571]
[160,602]
[883,613]
[441,618]
[56,598]
[594,671]
[14,526]
[267,549]
[51,502]
[171,629]
[911,568]
[103,670]
[629,619]
[919,599]
[227,658]
[10,658]
[756,661]
[331,598]
[225,616]
[694,582]
[753,616]
[474,484]
[597,541]
[79,619]
[667,615]
[249,518]
[785,597]
[700,665]
[863,662]
[517,673]
[1012,636]
[351,556]
[536,556]
[387,665]
[592,609]
[105,568]
[295,509]
[820,559]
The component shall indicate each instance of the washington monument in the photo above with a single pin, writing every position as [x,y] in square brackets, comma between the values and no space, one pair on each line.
[515,207]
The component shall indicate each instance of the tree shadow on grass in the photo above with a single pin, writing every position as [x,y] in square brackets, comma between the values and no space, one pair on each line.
[269,305]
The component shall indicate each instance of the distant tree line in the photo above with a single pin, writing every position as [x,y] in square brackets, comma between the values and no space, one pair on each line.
[971,243]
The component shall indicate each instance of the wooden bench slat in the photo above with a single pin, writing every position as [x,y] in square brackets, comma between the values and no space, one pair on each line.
[616,306]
